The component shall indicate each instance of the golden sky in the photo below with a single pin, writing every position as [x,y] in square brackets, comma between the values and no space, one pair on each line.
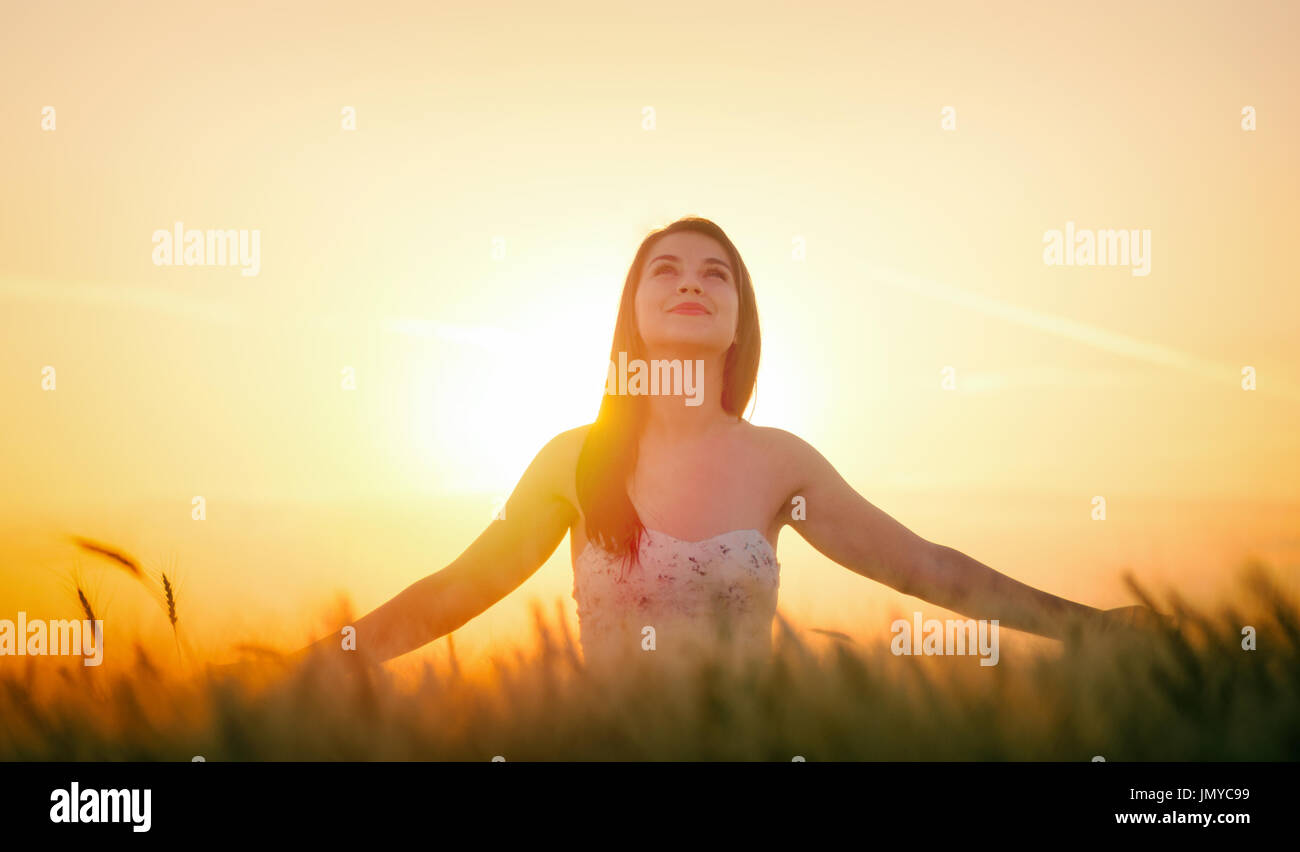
[525,128]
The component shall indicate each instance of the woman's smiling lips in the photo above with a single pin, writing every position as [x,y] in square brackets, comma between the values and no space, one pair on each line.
[691,308]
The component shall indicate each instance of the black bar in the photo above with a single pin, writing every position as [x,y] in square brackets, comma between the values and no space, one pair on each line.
[982,801]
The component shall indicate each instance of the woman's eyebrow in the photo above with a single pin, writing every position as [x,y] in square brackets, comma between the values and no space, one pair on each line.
[707,260]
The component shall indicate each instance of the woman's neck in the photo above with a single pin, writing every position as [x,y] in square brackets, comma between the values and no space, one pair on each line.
[675,418]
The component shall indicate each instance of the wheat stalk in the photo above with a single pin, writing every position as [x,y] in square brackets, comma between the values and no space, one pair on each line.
[171,600]
[116,556]
[170,596]
[132,567]
[85,605]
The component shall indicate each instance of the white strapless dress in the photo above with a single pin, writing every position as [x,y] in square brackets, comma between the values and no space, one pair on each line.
[717,596]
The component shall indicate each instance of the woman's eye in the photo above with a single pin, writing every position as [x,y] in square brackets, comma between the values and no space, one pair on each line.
[668,267]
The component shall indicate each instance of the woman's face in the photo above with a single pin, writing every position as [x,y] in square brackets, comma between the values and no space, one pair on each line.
[687,294]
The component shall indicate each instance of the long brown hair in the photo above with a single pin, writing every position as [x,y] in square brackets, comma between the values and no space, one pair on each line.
[609,453]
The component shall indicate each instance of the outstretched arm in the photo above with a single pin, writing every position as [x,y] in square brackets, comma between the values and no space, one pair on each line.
[843,526]
[508,552]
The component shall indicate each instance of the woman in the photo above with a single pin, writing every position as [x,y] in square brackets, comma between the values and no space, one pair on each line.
[674,503]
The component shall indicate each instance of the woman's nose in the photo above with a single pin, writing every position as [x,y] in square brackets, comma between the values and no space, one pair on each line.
[688,285]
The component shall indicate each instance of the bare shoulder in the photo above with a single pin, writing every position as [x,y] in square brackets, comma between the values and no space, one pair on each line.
[570,440]
[559,459]
[790,463]
[785,449]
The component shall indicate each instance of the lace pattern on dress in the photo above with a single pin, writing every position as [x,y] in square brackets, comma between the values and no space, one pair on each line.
[692,593]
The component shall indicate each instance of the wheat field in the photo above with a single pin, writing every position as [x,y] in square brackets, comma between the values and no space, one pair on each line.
[1189,692]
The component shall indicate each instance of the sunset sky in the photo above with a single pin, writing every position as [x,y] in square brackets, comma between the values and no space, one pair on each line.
[523,127]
